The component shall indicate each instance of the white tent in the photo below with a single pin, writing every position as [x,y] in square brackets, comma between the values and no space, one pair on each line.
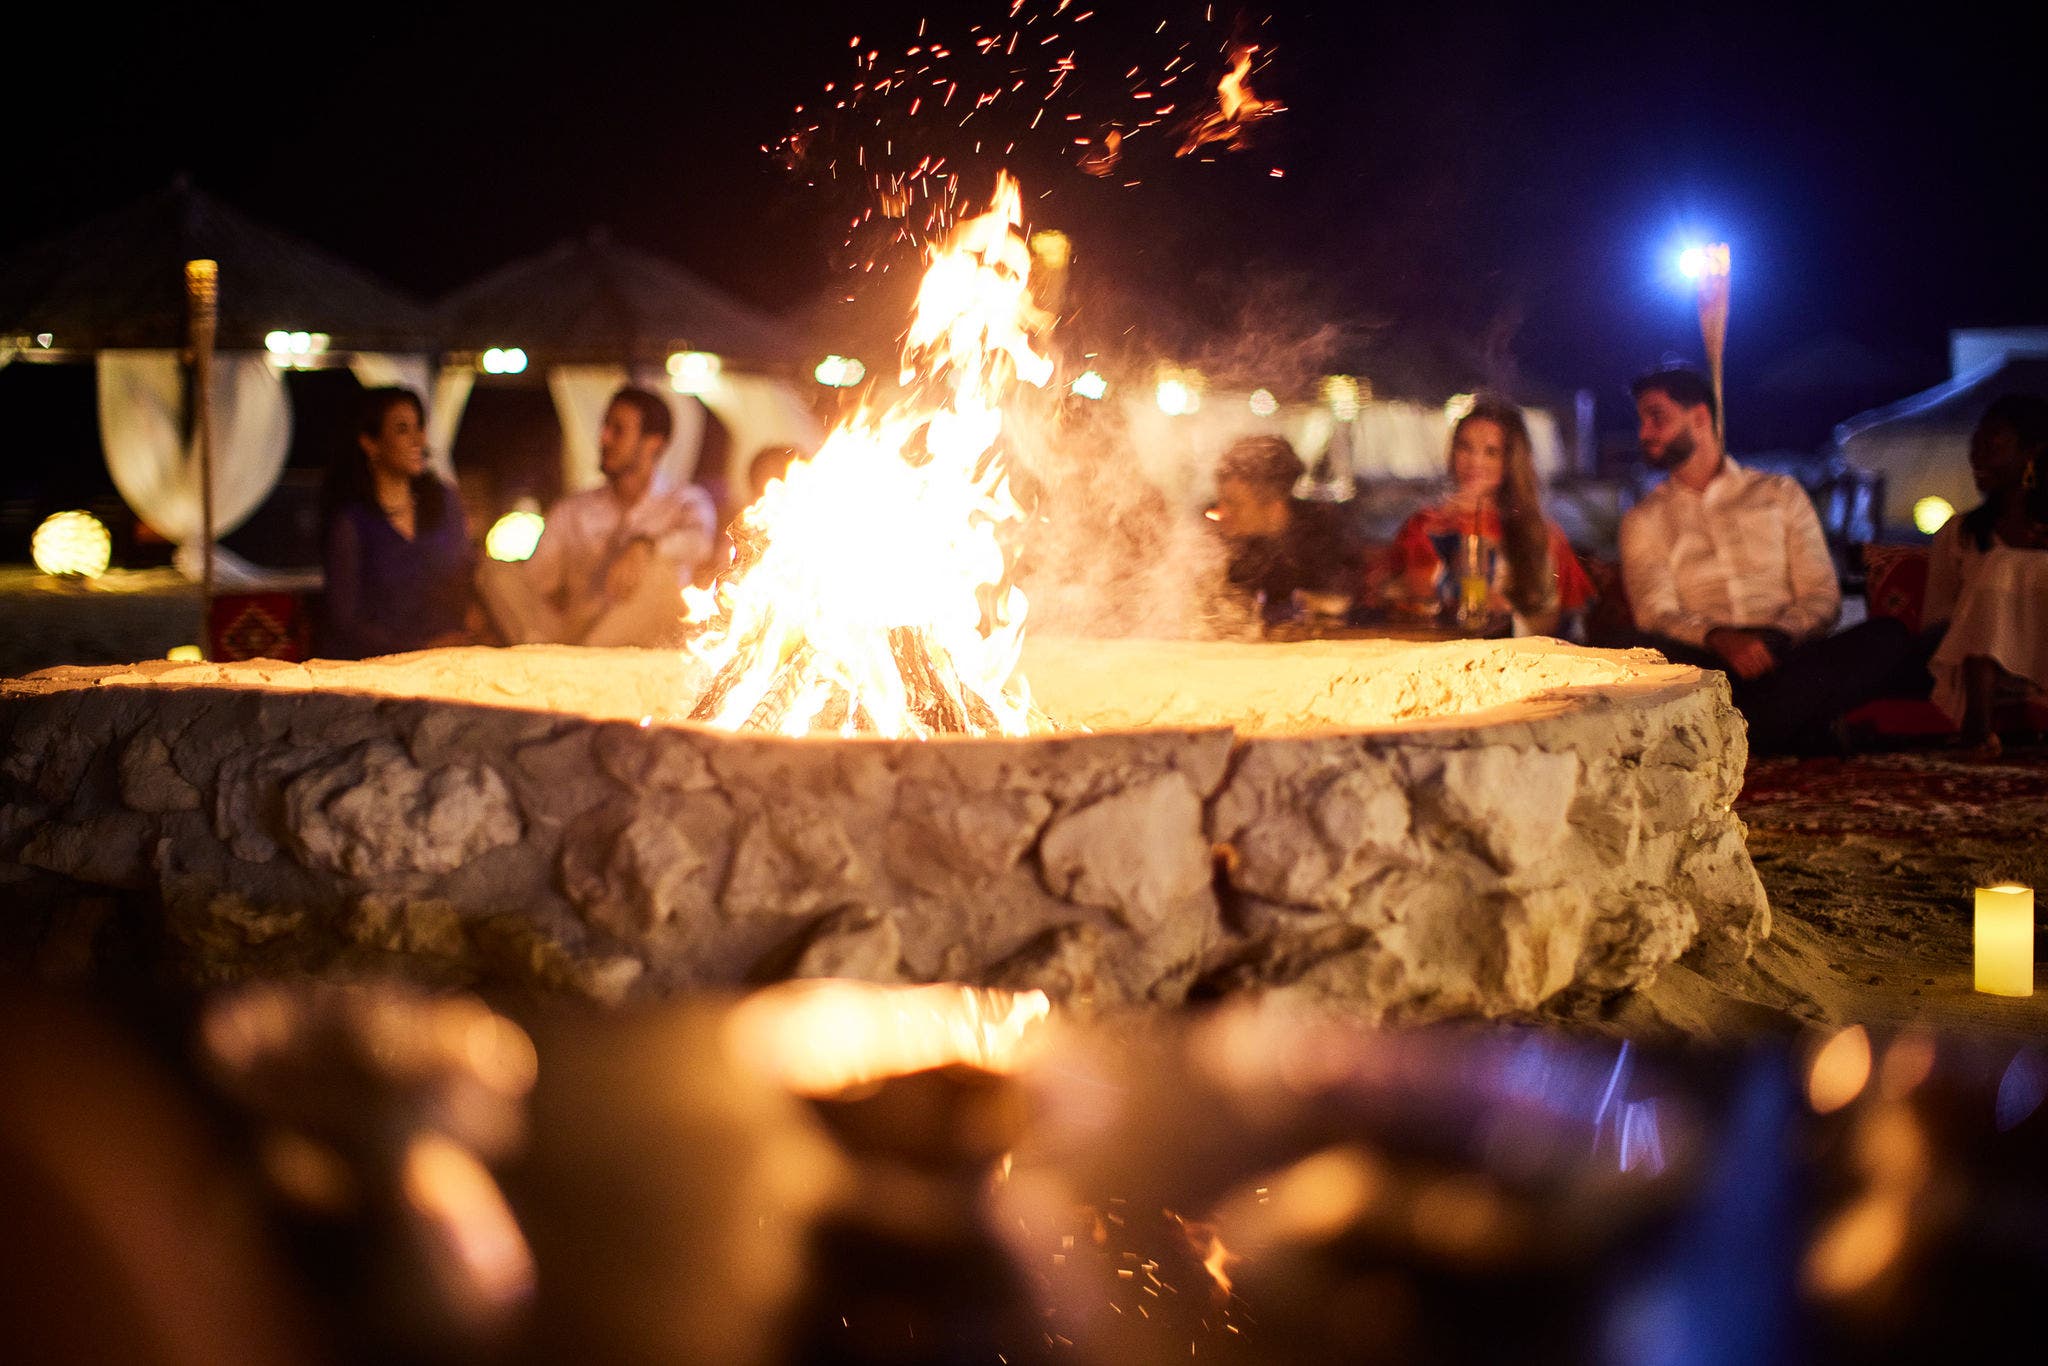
[1921,444]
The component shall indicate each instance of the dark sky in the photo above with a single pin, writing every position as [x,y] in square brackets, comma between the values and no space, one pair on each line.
[1518,174]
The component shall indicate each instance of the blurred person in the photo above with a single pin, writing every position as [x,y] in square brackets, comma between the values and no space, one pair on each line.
[769,463]
[1727,568]
[395,544]
[612,561]
[1278,546]
[1493,515]
[1987,575]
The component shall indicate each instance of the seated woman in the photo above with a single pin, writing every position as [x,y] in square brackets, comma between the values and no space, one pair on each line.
[1488,537]
[396,543]
[1987,574]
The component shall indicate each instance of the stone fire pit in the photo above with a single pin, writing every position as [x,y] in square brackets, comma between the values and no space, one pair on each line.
[1422,830]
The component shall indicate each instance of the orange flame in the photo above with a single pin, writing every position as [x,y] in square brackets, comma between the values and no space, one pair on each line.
[870,592]
[821,1037]
[1205,1242]
[1236,107]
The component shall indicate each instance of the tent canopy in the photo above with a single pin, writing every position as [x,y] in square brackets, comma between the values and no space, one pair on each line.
[1921,444]
[118,281]
[597,301]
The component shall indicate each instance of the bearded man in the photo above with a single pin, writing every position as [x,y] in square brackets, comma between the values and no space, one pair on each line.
[1727,568]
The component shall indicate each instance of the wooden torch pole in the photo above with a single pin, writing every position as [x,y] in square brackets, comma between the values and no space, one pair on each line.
[202,298]
[1713,301]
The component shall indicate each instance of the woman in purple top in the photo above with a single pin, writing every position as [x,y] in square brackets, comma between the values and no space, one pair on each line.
[397,553]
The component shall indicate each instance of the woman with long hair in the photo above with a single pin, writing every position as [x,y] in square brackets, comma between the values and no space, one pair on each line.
[395,543]
[1987,575]
[1489,530]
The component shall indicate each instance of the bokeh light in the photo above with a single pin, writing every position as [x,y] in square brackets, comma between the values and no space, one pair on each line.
[514,536]
[72,544]
[693,372]
[1931,514]
[839,372]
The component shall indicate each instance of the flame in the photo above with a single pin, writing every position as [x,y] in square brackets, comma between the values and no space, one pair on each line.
[1205,1242]
[1236,107]
[870,590]
[821,1037]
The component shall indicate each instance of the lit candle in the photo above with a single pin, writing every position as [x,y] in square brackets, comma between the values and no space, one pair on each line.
[2005,940]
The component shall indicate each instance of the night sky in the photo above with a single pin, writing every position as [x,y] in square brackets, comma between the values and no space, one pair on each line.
[1513,178]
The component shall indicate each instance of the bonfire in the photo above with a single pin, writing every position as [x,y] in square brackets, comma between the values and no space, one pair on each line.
[871,590]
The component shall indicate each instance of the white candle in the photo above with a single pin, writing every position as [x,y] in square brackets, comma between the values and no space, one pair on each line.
[2005,940]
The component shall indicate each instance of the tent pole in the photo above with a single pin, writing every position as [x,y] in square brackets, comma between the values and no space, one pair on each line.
[202,297]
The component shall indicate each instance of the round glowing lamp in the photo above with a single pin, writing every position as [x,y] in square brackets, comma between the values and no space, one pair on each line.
[693,372]
[502,360]
[185,652]
[1931,514]
[1089,384]
[1263,404]
[514,536]
[73,545]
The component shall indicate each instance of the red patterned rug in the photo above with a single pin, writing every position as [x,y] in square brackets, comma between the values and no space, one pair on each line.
[1919,796]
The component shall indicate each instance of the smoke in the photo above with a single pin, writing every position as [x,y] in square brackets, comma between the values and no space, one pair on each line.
[1106,551]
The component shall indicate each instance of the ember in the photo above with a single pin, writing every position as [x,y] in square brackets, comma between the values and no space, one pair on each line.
[1236,108]
[820,626]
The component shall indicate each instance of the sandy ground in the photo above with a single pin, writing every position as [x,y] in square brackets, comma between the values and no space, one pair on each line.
[1870,865]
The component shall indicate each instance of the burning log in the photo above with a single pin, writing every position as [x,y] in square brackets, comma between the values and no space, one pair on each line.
[924,682]
[791,682]
[729,675]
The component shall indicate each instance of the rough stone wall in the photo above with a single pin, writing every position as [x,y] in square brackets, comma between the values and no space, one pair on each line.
[1435,871]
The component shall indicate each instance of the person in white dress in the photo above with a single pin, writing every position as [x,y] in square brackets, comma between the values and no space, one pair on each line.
[1987,574]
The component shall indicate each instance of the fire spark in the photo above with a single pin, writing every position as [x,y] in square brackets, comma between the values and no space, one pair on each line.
[1236,108]
[870,591]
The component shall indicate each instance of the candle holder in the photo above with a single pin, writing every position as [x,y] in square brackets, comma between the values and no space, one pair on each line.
[2004,940]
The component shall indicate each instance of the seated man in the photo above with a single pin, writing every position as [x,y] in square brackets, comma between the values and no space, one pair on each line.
[1727,568]
[1279,545]
[612,561]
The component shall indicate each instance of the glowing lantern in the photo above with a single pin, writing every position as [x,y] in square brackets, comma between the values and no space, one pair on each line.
[1931,514]
[515,535]
[185,652]
[840,372]
[1263,404]
[692,372]
[502,360]
[72,545]
[1089,384]
[2004,940]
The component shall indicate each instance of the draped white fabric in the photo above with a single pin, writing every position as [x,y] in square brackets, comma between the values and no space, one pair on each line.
[382,369]
[2002,615]
[580,393]
[687,445]
[142,422]
[444,414]
[761,411]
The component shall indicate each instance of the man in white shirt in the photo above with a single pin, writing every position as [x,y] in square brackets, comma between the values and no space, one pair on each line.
[612,561]
[1727,568]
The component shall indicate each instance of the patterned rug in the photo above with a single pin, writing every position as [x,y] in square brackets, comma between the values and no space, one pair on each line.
[1916,797]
